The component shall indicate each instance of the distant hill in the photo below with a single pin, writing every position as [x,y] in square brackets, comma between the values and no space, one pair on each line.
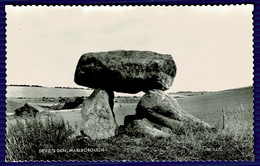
[18,85]
[60,87]
[241,88]
[209,106]
[65,87]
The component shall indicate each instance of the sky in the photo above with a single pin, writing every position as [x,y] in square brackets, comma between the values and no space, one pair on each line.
[212,46]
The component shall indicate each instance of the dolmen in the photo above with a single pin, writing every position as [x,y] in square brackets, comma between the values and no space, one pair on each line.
[157,113]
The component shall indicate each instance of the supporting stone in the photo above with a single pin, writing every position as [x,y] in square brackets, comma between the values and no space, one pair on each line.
[97,113]
[163,110]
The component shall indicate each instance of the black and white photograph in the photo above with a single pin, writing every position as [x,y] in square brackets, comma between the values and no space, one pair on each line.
[129,83]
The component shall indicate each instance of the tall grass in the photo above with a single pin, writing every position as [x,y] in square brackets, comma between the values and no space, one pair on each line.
[27,138]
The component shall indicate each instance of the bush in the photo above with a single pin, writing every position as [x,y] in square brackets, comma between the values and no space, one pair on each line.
[26,110]
[73,104]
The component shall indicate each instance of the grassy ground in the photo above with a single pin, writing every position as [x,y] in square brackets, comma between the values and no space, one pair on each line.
[209,106]
[51,138]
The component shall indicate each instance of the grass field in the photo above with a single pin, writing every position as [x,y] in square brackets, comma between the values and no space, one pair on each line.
[233,142]
[206,106]
[51,138]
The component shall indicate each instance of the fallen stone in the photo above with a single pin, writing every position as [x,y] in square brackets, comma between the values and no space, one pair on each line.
[164,110]
[97,113]
[126,71]
[143,127]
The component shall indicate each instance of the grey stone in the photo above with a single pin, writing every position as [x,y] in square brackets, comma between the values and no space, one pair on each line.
[143,127]
[164,110]
[126,71]
[97,113]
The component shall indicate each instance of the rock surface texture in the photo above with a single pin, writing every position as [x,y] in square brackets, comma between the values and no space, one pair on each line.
[163,110]
[97,113]
[126,71]
[144,127]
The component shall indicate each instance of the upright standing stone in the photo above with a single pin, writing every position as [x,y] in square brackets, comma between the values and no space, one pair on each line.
[126,71]
[97,113]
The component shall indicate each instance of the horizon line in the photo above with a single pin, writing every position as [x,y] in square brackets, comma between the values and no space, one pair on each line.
[88,88]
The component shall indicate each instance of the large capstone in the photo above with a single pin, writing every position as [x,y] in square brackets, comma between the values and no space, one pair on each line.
[126,71]
[97,113]
[163,110]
